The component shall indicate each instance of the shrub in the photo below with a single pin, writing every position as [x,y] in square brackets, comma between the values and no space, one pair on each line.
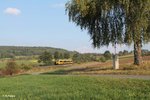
[107,55]
[11,68]
[26,67]
[103,59]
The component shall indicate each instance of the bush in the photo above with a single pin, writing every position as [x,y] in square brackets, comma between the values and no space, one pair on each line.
[26,67]
[103,59]
[107,55]
[11,68]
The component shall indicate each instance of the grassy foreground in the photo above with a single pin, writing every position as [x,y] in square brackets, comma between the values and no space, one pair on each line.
[45,87]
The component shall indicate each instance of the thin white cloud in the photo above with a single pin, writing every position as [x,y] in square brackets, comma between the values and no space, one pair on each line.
[58,5]
[12,11]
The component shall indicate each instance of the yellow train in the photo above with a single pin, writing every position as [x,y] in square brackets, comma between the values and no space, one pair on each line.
[63,61]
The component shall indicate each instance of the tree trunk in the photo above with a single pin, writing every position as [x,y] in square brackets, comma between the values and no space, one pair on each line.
[137,53]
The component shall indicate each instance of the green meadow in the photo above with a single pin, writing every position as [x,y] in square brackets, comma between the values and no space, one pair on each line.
[49,87]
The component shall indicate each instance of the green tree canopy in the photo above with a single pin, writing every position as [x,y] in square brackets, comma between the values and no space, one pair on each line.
[45,58]
[56,55]
[113,21]
[107,55]
[61,56]
[137,26]
[103,21]
[66,55]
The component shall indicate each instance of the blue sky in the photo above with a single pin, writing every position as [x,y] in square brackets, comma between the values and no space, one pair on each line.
[43,23]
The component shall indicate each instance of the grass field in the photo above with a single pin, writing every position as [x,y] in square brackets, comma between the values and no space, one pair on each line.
[58,83]
[47,87]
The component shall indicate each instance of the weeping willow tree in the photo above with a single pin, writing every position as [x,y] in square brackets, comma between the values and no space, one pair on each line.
[103,21]
[113,21]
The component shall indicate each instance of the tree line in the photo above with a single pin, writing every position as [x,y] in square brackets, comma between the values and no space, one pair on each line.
[47,58]
[13,51]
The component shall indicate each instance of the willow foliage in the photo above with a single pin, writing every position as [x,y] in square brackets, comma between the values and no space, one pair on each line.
[137,21]
[112,21]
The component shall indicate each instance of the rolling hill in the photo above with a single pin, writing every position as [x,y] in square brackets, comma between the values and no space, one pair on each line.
[8,51]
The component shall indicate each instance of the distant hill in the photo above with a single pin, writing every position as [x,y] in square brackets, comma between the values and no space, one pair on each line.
[10,51]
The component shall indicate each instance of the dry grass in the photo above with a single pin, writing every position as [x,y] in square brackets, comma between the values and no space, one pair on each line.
[126,68]
[38,70]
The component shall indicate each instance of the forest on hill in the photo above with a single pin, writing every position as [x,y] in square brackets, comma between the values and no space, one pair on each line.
[12,51]
[17,51]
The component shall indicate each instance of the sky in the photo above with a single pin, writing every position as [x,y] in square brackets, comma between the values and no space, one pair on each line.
[44,23]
